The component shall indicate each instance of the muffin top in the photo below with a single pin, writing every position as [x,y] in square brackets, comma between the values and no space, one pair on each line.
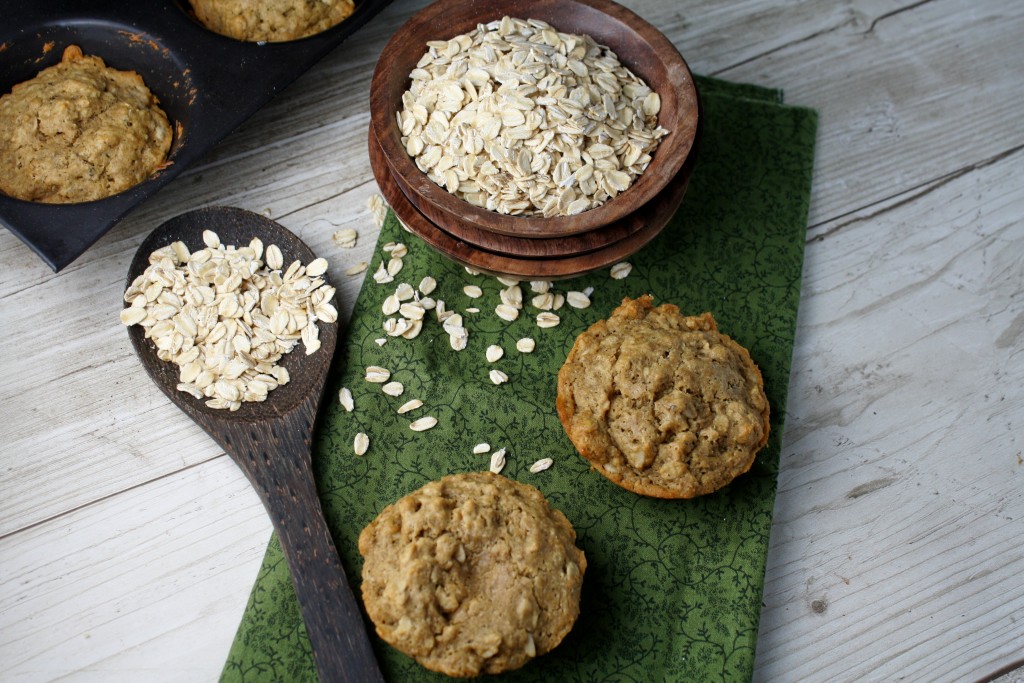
[271,20]
[79,131]
[473,573]
[662,404]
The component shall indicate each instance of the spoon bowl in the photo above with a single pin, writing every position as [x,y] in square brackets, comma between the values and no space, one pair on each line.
[270,441]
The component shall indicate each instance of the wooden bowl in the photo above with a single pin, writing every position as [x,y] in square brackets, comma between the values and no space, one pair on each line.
[649,219]
[653,217]
[639,46]
[537,247]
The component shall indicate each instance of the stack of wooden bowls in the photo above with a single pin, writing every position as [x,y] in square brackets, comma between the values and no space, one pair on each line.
[527,246]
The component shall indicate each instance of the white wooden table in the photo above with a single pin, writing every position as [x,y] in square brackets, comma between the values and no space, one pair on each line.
[129,542]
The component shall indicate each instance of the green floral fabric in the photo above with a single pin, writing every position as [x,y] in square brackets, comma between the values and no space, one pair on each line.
[673,588]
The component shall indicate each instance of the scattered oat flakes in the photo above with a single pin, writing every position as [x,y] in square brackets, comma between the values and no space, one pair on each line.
[621,270]
[512,296]
[413,330]
[396,249]
[498,461]
[381,341]
[377,374]
[409,406]
[498,377]
[481,448]
[393,388]
[345,238]
[472,291]
[577,299]
[541,465]
[390,305]
[526,345]
[356,268]
[412,310]
[543,301]
[494,353]
[378,209]
[423,424]
[458,341]
[547,320]
[396,327]
[361,443]
[405,292]
[427,285]
[382,276]
[506,312]
[452,323]
[345,398]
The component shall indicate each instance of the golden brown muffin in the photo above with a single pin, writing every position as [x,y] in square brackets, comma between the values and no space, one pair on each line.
[271,20]
[662,404]
[471,574]
[79,131]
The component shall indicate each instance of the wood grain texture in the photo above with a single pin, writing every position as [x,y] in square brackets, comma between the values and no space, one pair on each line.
[128,543]
[899,486]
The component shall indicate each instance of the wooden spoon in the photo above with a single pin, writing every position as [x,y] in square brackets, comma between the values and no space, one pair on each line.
[270,442]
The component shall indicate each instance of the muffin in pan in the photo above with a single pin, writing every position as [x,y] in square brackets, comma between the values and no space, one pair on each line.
[271,20]
[80,131]
[662,404]
[473,573]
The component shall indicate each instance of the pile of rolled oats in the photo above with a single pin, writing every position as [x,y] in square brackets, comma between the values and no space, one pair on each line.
[226,317]
[522,119]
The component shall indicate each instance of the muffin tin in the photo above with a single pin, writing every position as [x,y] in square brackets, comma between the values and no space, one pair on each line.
[207,84]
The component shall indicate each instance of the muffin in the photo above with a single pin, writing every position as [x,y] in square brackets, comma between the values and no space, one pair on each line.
[79,131]
[662,404]
[270,20]
[473,573]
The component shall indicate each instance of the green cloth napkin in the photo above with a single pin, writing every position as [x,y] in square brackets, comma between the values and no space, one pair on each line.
[672,590]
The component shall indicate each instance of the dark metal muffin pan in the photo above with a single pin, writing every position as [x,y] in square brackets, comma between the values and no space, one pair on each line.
[207,84]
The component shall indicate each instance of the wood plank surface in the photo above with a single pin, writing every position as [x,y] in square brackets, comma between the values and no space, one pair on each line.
[128,542]
[895,529]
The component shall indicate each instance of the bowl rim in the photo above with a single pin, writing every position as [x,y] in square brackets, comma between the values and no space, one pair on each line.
[518,266]
[514,245]
[390,80]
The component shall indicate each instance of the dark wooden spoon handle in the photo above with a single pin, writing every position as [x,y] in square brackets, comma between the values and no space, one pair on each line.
[276,459]
[270,442]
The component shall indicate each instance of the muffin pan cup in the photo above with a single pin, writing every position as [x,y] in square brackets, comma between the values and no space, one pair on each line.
[208,84]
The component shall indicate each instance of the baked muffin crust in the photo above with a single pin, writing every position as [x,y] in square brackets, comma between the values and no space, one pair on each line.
[662,404]
[271,20]
[473,573]
[79,131]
